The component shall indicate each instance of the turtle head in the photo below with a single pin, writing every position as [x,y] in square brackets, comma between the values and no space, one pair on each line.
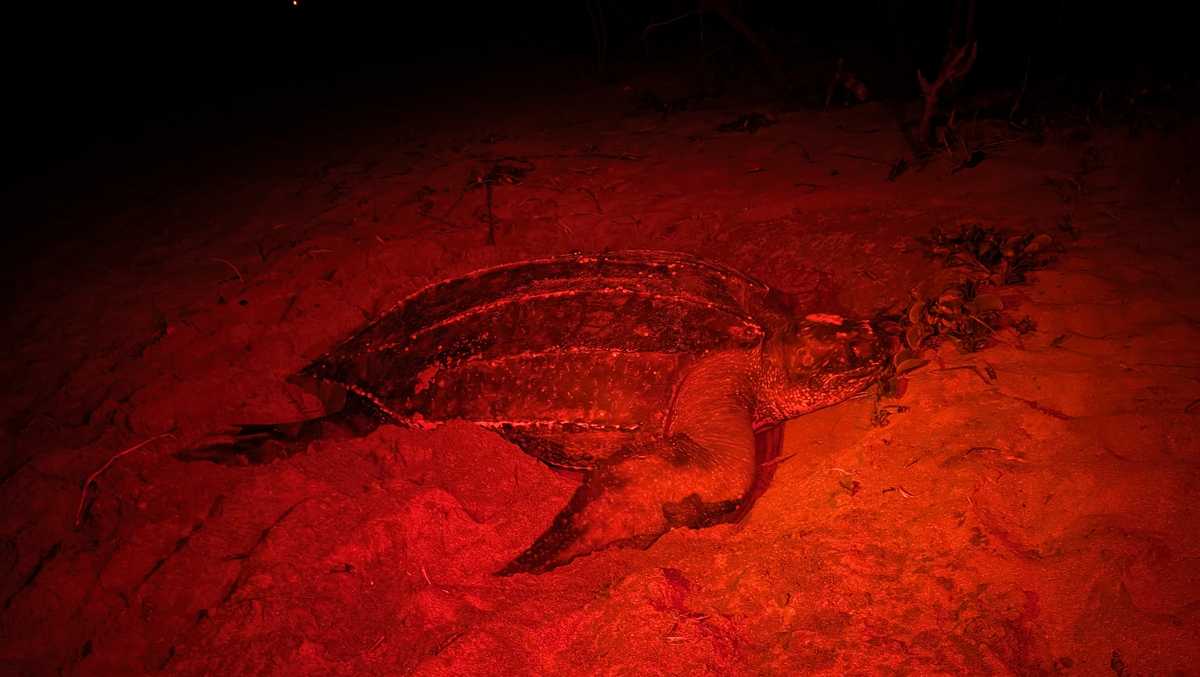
[821,360]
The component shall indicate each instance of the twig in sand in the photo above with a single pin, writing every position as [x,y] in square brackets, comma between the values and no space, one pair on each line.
[864,158]
[96,475]
[426,575]
[34,573]
[969,367]
[592,195]
[233,267]
[660,24]
[1043,409]
[245,557]
[988,327]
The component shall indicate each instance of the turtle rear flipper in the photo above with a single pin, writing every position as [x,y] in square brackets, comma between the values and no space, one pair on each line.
[631,502]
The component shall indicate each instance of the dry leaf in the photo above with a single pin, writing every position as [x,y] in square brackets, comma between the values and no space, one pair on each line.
[914,336]
[916,311]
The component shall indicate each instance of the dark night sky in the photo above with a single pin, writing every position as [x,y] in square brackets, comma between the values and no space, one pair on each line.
[107,71]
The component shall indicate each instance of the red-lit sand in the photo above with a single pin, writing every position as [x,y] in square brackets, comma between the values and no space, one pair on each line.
[1045,523]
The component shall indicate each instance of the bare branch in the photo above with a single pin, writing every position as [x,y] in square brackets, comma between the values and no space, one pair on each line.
[955,66]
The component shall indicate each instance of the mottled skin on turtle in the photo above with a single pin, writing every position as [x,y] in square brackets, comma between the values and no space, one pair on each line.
[667,393]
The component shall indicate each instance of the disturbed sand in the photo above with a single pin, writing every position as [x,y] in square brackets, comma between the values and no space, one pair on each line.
[1040,522]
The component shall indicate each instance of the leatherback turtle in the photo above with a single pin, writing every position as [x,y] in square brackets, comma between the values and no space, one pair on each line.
[663,377]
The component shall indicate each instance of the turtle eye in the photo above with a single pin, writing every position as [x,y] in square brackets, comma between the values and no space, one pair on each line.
[850,357]
[861,350]
[802,358]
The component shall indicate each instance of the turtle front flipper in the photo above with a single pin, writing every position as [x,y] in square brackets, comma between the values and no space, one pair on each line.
[632,500]
[258,443]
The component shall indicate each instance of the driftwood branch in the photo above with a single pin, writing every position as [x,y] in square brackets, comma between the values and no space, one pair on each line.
[728,13]
[955,66]
[961,49]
